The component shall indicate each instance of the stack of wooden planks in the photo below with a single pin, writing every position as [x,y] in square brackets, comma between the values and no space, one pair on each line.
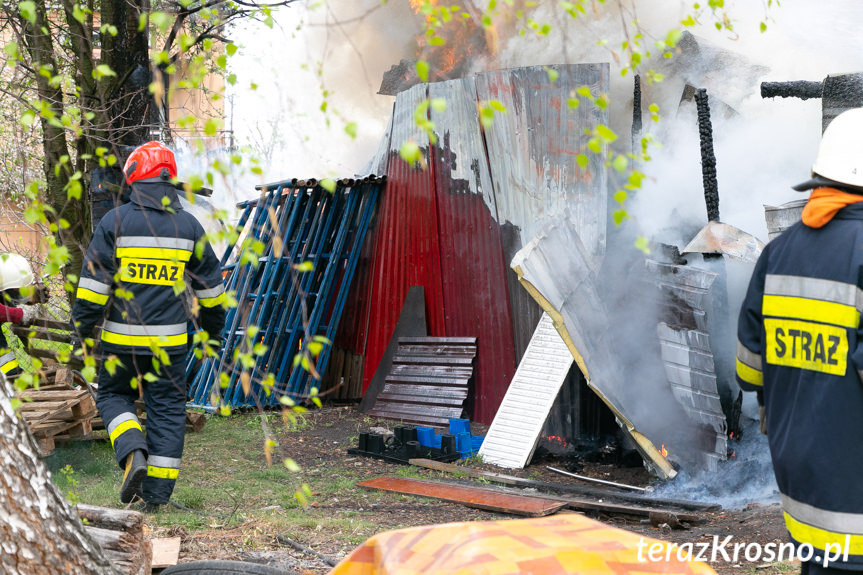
[429,382]
[53,413]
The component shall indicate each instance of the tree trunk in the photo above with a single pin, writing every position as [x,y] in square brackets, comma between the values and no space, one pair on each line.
[40,534]
[40,44]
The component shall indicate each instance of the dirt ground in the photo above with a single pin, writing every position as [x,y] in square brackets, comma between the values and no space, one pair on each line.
[321,450]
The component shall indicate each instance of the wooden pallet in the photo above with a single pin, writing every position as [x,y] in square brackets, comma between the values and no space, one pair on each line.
[53,412]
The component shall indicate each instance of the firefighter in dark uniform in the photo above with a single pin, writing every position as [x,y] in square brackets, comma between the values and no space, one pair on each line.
[15,274]
[800,346]
[144,260]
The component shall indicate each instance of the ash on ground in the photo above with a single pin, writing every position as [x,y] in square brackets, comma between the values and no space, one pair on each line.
[745,477]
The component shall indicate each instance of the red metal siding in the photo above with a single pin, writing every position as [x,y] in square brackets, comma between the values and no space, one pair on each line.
[406,251]
[476,302]
[473,266]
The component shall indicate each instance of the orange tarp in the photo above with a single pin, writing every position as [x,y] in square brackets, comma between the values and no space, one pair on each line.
[559,544]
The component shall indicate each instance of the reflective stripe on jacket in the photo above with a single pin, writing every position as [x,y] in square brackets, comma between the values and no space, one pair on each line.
[144,264]
[799,341]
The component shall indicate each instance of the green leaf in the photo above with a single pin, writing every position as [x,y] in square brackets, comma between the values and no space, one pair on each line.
[582,161]
[422,68]
[438,104]
[315,348]
[305,266]
[689,21]
[620,163]
[231,79]
[410,152]
[11,50]
[572,103]
[291,465]
[606,133]
[27,118]
[329,185]
[351,129]
[212,127]
[78,14]
[620,196]
[764,27]
[497,105]
[619,216]
[673,37]
[27,9]
[642,245]
[103,70]
[231,49]
[552,74]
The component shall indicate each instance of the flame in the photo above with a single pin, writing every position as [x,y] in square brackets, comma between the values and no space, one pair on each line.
[464,40]
[663,451]
[556,439]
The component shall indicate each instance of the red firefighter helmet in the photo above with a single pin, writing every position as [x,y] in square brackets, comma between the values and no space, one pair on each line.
[148,161]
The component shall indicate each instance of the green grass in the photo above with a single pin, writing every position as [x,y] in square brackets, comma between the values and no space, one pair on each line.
[225,477]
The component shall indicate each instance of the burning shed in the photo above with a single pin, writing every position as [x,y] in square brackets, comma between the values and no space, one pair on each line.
[454,227]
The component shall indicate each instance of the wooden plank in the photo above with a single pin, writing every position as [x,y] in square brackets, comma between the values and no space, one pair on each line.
[436,340]
[420,410]
[166,552]
[39,395]
[432,360]
[470,496]
[429,390]
[430,420]
[390,398]
[47,406]
[427,381]
[596,492]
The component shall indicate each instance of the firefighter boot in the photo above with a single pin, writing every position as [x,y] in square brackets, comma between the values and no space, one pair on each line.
[136,472]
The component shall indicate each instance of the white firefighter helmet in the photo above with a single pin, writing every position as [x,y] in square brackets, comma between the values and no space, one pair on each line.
[15,272]
[840,155]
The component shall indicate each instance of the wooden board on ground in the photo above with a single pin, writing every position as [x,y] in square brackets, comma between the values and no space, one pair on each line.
[470,496]
[166,552]
[600,493]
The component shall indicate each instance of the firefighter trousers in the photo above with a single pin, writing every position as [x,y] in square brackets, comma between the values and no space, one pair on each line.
[165,404]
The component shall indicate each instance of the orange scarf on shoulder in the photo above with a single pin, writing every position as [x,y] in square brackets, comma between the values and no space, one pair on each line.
[824,203]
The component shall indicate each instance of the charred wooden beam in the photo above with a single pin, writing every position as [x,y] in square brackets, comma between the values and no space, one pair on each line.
[802,89]
[637,124]
[708,158]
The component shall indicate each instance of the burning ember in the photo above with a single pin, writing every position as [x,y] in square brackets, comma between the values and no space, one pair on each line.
[555,439]
[663,451]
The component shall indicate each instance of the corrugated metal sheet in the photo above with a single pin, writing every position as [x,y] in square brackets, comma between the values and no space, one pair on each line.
[406,251]
[473,268]
[429,380]
[687,354]
[514,433]
[532,150]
